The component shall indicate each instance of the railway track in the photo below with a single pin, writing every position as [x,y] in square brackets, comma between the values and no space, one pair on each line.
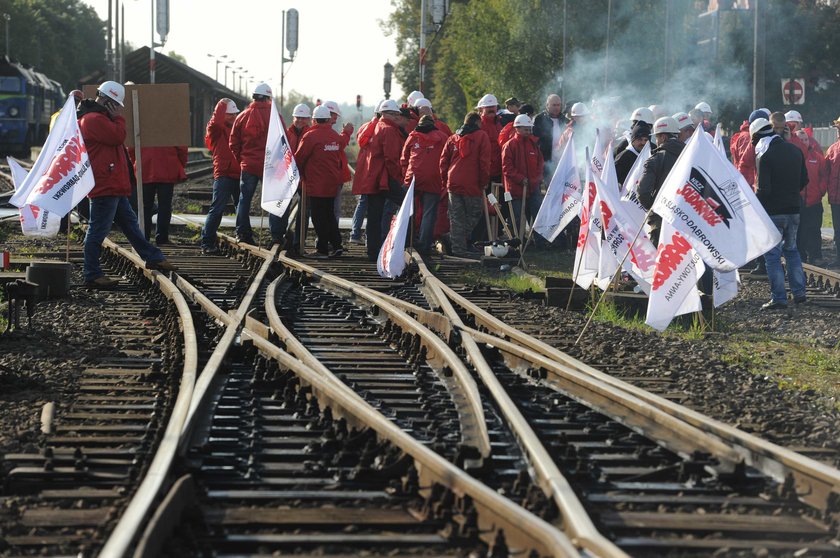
[823,286]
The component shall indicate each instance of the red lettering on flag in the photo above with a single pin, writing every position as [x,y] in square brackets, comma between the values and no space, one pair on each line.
[62,165]
[699,204]
[668,258]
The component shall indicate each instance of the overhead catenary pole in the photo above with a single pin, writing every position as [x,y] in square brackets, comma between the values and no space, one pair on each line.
[758,53]
[563,78]
[151,48]
[109,54]
[122,43]
[422,68]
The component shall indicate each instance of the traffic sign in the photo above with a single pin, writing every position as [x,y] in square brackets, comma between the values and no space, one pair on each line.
[793,91]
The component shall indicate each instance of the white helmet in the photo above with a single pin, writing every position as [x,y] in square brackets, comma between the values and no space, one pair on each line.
[758,124]
[321,111]
[703,106]
[666,125]
[379,104]
[522,121]
[658,112]
[422,102]
[643,114]
[114,91]
[413,97]
[488,101]
[301,111]
[389,105]
[793,116]
[262,89]
[580,109]
[333,106]
[683,120]
[231,107]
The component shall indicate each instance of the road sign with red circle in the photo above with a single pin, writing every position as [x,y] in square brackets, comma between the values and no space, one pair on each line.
[793,91]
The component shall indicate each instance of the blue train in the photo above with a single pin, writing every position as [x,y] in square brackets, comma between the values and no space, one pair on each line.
[27,100]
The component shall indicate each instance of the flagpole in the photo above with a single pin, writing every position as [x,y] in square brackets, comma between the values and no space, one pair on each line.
[67,251]
[304,224]
[487,220]
[259,233]
[577,271]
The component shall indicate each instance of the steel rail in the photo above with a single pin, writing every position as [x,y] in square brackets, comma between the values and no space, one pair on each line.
[522,529]
[438,353]
[147,493]
[816,484]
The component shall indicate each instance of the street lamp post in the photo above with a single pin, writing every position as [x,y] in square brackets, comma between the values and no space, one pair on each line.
[8,18]
[386,83]
[217,65]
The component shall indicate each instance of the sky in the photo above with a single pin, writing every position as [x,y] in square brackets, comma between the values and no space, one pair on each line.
[341,47]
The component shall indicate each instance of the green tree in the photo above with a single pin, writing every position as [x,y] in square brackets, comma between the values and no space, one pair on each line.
[64,39]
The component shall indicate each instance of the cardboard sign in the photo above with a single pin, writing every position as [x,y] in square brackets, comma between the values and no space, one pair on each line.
[164,113]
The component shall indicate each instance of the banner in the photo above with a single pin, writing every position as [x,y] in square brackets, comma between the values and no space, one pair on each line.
[718,139]
[725,286]
[390,263]
[61,176]
[588,253]
[674,290]
[631,185]
[34,221]
[280,173]
[562,201]
[707,200]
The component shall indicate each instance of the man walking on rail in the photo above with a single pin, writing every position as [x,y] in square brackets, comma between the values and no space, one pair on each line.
[102,126]
[226,171]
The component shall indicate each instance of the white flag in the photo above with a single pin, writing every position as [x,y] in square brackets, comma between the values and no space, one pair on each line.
[588,253]
[620,230]
[725,285]
[34,221]
[280,173]
[631,185]
[391,260]
[562,201]
[61,176]
[674,290]
[710,203]
[718,139]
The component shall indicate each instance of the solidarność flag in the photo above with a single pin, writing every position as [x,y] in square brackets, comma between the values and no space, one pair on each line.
[562,201]
[280,173]
[34,221]
[391,262]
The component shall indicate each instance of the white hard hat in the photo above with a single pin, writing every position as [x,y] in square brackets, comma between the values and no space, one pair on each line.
[231,107]
[379,104]
[422,102]
[301,111]
[488,101]
[321,111]
[703,106]
[389,105]
[758,124]
[580,109]
[658,112]
[333,106]
[666,125]
[793,116]
[262,89]
[114,91]
[522,121]
[643,114]
[683,120]
[413,97]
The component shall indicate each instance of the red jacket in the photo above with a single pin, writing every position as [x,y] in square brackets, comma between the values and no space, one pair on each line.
[421,159]
[217,140]
[104,137]
[345,166]
[363,137]
[492,126]
[505,136]
[319,160]
[746,163]
[465,163]
[521,159]
[162,165]
[382,160]
[814,191]
[832,173]
[441,125]
[248,137]
[738,142]
[294,134]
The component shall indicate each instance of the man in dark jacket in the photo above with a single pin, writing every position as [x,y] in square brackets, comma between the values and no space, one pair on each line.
[548,127]
[639,136]
[781,175]
[666,131]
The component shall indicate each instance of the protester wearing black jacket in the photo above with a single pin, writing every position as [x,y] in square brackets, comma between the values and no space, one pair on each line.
[624,160]
[781,175]
[544,129]
[656,170]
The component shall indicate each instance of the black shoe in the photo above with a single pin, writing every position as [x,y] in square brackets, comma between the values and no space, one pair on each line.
[773,305]
[246,240]
[212,251]
[103,283]
[337,252]
[163,265]
[317,255]
[760,269]
[800,299]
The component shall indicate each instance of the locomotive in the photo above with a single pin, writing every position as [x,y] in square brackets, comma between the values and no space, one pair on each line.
[27,100]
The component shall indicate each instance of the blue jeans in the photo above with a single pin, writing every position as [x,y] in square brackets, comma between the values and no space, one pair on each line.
[358,218]
[224,188]
[787,225]
[247,186]
[427,224]
[104,212]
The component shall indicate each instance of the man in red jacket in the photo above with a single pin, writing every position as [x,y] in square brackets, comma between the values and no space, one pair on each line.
[363,137]
[226,171]
[103,129]
[321,165]
[465,171]
[301,121]
[491,124]
[832,171]
[163,167]
[522,169]
[247,143]
[809,236]
[383,175]
[421,162]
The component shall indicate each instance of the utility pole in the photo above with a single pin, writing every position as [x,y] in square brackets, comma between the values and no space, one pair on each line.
[289,40]
[109,54]
[162,29]
[8,18]
[422,42]
[758,53]
[563,78]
